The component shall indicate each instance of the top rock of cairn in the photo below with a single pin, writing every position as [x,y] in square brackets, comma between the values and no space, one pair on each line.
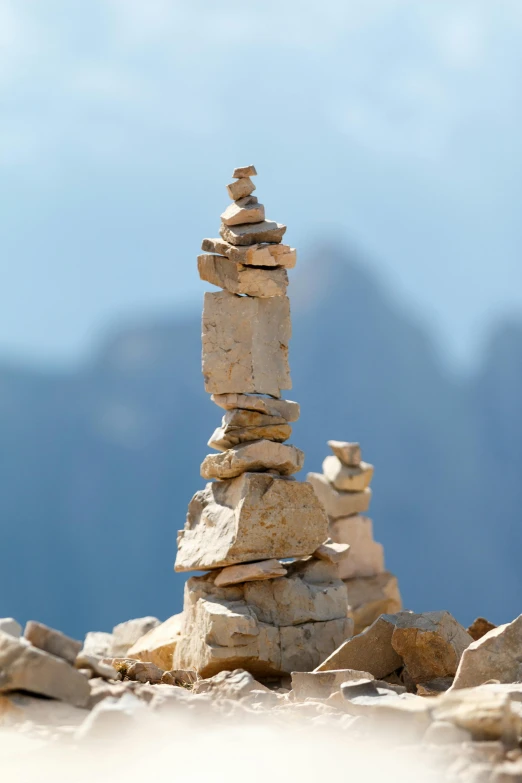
[244,171]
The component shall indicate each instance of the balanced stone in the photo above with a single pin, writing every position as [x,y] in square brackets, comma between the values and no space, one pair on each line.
[348,453]
[259,455]
[256,516]
[240,279]
[253,233]
[285,408]
[245,344]
[332,552]
[243,211]
[244,171]
[231,434]
[347,479]
[366,555]
[250,572]
[243,187]
[265,255]
[339,504]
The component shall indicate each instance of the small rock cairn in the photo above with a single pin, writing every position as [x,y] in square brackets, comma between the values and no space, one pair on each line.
[252,610]
[344,491]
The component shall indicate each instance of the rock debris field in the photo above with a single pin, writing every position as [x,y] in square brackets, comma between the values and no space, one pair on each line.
[294,637]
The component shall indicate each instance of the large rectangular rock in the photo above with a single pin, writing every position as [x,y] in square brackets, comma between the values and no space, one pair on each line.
[261,254]
[253,233]
[339,504]
[245,344]
[239,279]
[256,516]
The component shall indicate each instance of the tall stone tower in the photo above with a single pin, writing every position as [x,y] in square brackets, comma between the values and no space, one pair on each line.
[271,601]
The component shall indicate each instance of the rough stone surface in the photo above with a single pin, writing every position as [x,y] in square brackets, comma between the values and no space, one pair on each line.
[495,656]
[95,667]
[158,644]
[322,684]
[259,455]
[11,626]
[347,479]
[240,426]
[369,597]
[266,255]
[28,668]
[53,642]
[244,171]
[313,570]
[332,552]
[293,601]
[286,409]
[479,628]
[243,187]
[339,504]
[179,677]
[348,453]
[370,651]
[366,556]
[253,233]
[487,715]
[430,644]
[126,634]
[245,344]
[237,214]
[239,279]
[97,644]
[256,516]
[145,671]
[250,572]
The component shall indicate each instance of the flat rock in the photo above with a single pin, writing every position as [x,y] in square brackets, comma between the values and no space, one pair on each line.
[259,455]
[366,555]
[253,233]
[321,685]
[339,504]
[260,254]
[370,651]
[158,644]
[240,426]
[286,409]
[126,634]
[332,552]
[479,628]
[430,644]
[245,344]
[244,171]
[239,279]
[348,453]
[347,479]
[256,516]
[242,212]
[369,597]
[250,572]
[11,626]
[495,656]
[24,667]
[240,189]
[52,641]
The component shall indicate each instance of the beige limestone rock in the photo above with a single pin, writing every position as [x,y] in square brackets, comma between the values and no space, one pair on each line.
[313,570]
[430,644]
[304,646]
[244,171]
[479,628]
[250,572]
[24,667]
[369,597]
[11,626]
[256,516]
[293,601]
[126,634]
[253,233]
[495,656]
[348,453]
[322,684]
[240,189]
[286,409]
[94,667]
[487,715]
[370,651]
[239,426]
[240,279]
[259,455]
[229,684]
[158,644]
[96,644]
[366,556]
[239,214]
[245,344]
[263,254]
[347,479]
[332,552]
[52,641]
[339,504]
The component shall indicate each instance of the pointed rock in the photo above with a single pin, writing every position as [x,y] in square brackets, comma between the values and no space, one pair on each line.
[285,408]
[259,455]
[370,651]
[347,479]
[495,656]
[348,453]
[240,279]
[253,233]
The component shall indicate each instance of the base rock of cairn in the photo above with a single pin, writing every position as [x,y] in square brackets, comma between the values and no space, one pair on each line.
[254,609]
[344,491]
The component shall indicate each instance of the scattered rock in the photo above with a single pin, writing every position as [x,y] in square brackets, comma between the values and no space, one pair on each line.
[495,656]
[259,455]
[285,409]
[96,667]
[332,552]
[249,572]
[253,233]
[486,715]
[369,597]
[339,504]
[434,687]
[145,671]
[126,634]
[179,677]
[240,213]
[322,684]
[244,171]
[347,479]
[158,644]
[53,642]
[10,626]
[240,279]
[348,453]
[266,255]
[97,644]
[229,684]
[366,555]
[479,628]
[241,188]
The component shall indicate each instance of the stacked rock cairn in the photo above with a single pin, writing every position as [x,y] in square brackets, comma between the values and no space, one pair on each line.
[344,491]
[271,601]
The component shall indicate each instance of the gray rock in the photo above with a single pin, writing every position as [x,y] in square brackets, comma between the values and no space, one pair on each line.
[52,641]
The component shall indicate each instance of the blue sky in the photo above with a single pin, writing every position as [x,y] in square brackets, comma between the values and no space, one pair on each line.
[391,124]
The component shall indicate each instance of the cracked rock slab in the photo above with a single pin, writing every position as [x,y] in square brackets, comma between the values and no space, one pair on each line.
[253,233]
[261,254]
[258,455]
[285,408]
[336,503]
[239,279]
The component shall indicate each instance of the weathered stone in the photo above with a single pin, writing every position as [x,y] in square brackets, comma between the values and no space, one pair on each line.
[145,671]
[485,715]
[313,570]
[229,684]
[348,453]
[10,626]
[370,651]
[495,656]
[126,634]
[244,171]
[240,279]
[286,409]
[256,516]
[366,556]
[253,233]
[53,642]
[339,504]
[97,644]
[347,479]
[96,667]
[430,644]
[245,344]
[332,552]
[24,667]
[369,597]
[238,214]
[241,426]
[158,644]
[479,628]
[321,685]
[240,189]
[259,455]
[368,686]
[250,572]
[434,687]
[180,677]
[304,646]
[294,601]
[266,255]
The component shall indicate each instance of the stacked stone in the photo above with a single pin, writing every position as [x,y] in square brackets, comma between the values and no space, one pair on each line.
[344,491]
[251,610]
